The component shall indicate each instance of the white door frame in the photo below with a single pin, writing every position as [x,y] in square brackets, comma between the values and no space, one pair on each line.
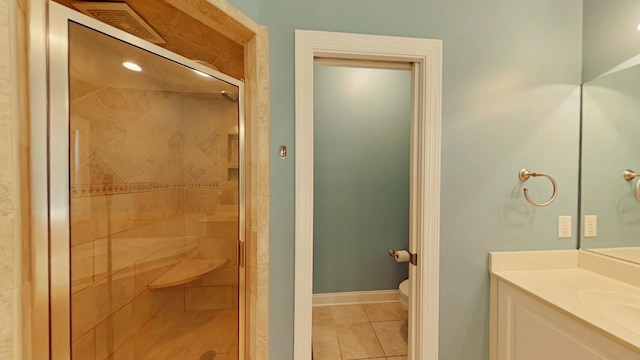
[426,57]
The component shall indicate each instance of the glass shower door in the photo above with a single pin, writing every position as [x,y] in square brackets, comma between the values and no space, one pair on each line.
[153,194]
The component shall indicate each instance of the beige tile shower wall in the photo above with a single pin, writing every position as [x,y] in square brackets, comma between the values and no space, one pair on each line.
[95,217]
[110,300]
[137,136]
[210,140]
[14,197]
[211,155]
[126,136]
[97,259]
[127,212]
[129,322]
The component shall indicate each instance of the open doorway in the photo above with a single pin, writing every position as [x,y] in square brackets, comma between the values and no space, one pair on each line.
[424,57]
[362,142]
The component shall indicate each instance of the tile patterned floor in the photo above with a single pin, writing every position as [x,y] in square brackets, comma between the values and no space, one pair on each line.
[363,331]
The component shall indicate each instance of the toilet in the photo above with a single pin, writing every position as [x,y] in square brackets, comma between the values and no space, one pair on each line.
[403,294]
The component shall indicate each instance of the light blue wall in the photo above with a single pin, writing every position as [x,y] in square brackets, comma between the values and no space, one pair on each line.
[250,8]
[610,129]
[511,76]
[361,177]
[610,35]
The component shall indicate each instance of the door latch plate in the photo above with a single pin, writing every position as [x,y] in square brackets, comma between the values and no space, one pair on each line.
[413,259]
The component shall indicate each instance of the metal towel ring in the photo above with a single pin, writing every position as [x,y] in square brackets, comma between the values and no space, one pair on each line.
[525,174]
[630,175]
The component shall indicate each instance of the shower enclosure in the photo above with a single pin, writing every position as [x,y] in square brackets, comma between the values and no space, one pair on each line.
[146,207]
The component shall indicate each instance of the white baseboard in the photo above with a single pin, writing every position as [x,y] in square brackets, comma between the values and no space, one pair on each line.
[355,297]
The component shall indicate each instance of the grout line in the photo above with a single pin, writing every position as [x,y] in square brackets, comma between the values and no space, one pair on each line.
[364,308]
[339,347]
[378,339]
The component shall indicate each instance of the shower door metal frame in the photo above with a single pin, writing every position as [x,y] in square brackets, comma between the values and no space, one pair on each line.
[56,156]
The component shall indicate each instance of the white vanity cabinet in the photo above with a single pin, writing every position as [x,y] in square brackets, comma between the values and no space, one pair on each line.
[526,328]
[563,305]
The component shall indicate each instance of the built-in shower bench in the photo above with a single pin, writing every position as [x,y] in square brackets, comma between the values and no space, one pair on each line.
[186,271]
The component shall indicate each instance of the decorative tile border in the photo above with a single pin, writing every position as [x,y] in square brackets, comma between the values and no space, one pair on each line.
[127,188]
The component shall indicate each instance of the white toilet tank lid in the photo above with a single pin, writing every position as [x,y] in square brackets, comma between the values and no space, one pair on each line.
[404,287]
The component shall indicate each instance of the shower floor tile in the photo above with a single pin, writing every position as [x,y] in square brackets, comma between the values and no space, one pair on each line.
[196,332]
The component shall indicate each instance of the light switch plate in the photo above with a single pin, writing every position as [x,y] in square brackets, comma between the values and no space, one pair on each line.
[564,227]
[590,225]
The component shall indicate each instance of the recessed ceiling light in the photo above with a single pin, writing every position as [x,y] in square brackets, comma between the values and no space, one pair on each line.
[638,27]
[201,73]
[132,66]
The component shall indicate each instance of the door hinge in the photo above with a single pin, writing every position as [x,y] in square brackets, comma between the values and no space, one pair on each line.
[241,254]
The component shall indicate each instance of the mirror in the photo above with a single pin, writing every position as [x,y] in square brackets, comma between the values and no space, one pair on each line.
[610,141]
[611,145]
